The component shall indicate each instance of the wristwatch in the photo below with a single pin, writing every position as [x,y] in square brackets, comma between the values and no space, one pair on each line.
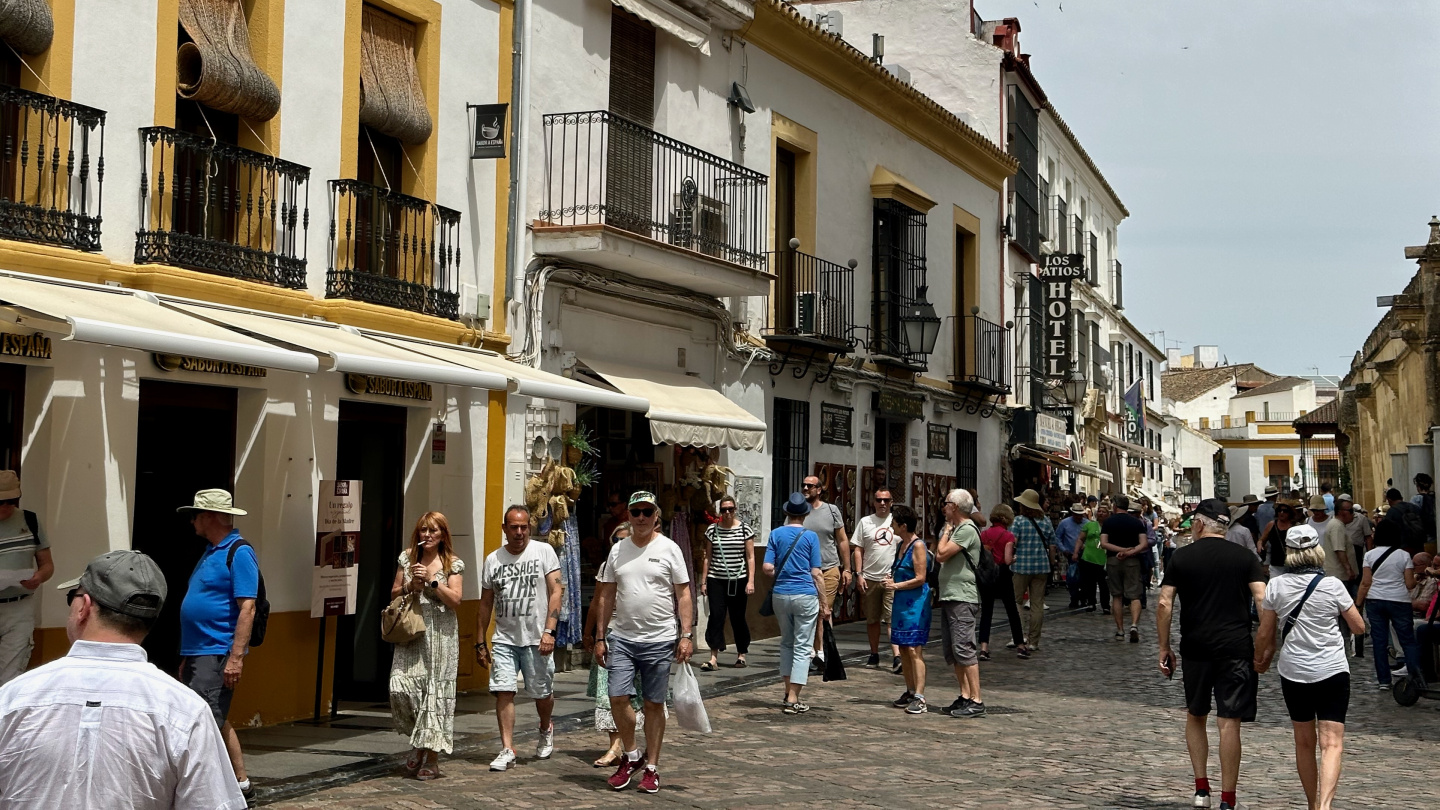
[549,631]
[690,635]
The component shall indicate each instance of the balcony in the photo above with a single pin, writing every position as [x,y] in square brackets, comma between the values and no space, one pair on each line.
[393,250]
[814,311]
[50,183]
[221,209]
[983,366]
[626,198]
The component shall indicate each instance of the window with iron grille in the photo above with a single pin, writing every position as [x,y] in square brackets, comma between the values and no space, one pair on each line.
[1099,358]
[1036,333]
[1043,187]
[1062,224]
[790,437]
[1150,379]
[1082,344]
[967,454]
[1118,299]
[1094,261]
[899,273]
[1024,137]
[1079,234]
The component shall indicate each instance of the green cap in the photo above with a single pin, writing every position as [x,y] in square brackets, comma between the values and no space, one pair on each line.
[642,496]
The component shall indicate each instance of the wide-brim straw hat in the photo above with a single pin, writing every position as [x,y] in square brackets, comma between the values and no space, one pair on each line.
[9,485]
[1030,499]
[213,500]
[1238,510]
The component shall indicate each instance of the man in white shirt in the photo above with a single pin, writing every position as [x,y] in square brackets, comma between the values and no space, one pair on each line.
[874,550]
[515,581]
[103,727]
[644,585]
[1333,539]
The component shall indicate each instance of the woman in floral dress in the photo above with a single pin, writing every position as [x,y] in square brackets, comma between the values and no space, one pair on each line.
[423,673]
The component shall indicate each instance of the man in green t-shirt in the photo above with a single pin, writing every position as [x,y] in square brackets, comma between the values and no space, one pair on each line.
[959,553]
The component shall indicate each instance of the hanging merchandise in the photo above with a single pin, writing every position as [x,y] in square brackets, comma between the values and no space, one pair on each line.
[570,628]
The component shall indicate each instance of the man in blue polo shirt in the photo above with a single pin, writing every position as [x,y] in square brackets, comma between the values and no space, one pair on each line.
[1068,534]
[218,613]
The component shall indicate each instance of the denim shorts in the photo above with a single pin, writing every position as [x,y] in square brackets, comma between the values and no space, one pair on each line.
[626,659]
[506,660]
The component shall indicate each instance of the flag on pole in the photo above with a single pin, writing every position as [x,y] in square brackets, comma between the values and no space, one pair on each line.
[1134,401]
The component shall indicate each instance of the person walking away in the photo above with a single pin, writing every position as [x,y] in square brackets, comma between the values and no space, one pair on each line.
[1407,516]
[218,614]
[910,616]
[1068,543]
[1335,544]
[1361,533]
[423,670]
[1424,500]
[23,547]
[1248,518]
[1265,512]
[1092,563]
[1314,670]
[874,550]
[515,581]
[793,560]
[959,602]
[1001,542]
[825,520]
[1272,540]
[727,578]
[1123,537]
[1239,533]
[1327,494]
[1216,581]
[1030,564]
[1387,576]
[645,591]
[598,687]
[160,744]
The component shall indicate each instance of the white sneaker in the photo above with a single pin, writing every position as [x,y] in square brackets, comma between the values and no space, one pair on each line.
[545,746]
[503,761]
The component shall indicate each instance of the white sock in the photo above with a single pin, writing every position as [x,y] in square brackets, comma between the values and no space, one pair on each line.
[632,755]
[245,784]
[650,767]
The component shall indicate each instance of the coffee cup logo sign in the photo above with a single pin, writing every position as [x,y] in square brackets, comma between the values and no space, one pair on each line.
[1059,270]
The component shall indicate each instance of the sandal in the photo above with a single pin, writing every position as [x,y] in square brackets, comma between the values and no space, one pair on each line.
[984,655]
[740,663]
[708,666]
[609,759]
[1022,651]
[428,772]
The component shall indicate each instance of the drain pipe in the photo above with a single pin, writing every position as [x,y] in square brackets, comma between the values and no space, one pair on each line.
[519,103]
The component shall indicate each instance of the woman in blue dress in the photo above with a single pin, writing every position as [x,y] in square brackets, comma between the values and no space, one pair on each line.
[910,614]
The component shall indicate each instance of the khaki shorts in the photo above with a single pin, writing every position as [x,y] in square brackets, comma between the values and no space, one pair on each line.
[1124,578]
[830,580]
[876,602]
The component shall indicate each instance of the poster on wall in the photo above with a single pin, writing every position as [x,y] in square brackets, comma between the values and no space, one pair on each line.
[749,492]
[337,543]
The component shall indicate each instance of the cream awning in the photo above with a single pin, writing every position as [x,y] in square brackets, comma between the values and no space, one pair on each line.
[115,316]
[684,410]
[524,380]
[672,19]
[1092,471]
[345,348]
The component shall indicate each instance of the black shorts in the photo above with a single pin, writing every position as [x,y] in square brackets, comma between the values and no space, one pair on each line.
[1232,681]
[205,675]
[1322,700]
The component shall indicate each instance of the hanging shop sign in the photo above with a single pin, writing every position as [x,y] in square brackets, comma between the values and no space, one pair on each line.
[35,346]
[1059,270]
[437,444]
[180,362]
[938,441]
[1050,432]
[835,424]
[336,576]
[489,131]
[1222,485]
[388,387]
[898,403]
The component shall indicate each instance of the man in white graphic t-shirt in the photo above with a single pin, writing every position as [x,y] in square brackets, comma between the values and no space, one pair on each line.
[644,585]
[874,551]
[520,586]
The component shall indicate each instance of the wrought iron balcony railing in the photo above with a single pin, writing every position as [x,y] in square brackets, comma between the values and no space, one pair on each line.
[984,357]
[50,182]
[814,301]
[604,169]
[221,209]
[394,250]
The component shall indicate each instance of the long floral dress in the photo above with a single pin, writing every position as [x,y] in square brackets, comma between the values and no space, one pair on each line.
[423,673]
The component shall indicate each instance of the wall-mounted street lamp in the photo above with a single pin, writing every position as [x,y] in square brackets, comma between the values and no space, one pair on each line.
[921,324]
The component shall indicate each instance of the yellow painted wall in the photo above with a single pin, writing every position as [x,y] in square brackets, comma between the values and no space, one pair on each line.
[1392,416]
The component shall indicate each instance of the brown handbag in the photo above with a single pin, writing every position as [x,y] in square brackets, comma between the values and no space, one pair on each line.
[401,621]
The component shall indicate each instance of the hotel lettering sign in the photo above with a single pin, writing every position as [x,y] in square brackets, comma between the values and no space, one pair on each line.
[180,362]
[35,346]
[387,387]
[1058,271]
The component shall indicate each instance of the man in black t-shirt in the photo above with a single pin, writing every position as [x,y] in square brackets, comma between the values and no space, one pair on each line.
[1124,538]
[1216,580]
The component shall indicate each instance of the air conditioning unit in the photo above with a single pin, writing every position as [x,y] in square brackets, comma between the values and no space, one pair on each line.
[831,22]
[899,72]
[704,227]
[818,314]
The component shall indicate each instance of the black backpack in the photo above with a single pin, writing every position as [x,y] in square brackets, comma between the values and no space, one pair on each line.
[1427,514]
[262,605]
[987,571]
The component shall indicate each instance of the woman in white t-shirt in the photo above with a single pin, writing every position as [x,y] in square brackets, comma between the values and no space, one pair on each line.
[1386,577]
[1314,672]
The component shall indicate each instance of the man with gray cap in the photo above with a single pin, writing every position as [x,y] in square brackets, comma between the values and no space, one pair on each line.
[218,613]
[103,727]
[22,548]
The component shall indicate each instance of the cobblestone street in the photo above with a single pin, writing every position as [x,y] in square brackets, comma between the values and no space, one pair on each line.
[1087,722]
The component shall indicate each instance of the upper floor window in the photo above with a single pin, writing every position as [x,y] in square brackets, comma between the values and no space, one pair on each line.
[1024,138]
[899,274]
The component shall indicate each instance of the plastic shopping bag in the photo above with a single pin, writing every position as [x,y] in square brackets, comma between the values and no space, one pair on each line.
[689,708]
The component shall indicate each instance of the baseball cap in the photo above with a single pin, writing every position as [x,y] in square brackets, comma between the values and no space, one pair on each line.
[641,496]
[1214,508]
[116,578]
[1301,537]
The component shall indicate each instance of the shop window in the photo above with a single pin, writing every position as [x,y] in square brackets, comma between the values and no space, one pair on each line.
[967,454]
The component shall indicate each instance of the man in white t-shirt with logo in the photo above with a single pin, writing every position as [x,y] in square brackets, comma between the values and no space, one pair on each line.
[644,585]
[520,587]
[874,550]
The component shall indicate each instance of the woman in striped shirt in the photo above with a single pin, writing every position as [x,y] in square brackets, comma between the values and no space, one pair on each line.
[727,578]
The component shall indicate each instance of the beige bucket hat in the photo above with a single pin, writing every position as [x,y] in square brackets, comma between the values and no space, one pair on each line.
[9,485]
[213,500]
[1030,499]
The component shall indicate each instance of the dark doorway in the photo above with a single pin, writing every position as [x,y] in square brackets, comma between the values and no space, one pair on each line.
[12,415]
[185,443]
[371,450]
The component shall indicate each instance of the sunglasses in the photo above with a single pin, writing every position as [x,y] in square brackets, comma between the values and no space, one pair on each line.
[725,510]
[71,595]
[809,486]
[647,512]
[10,502]
[884,500]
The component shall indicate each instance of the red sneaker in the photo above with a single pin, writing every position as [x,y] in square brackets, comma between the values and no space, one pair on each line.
[650,781]
[623,774]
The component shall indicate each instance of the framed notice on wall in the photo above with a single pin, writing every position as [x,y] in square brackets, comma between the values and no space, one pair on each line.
[938,441]
[749,493]
[337,542]
[835,424]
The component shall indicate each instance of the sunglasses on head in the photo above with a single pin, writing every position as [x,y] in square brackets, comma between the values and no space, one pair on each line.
[726,509]
[646,511]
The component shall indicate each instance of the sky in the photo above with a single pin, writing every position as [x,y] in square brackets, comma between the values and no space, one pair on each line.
[1276,157]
